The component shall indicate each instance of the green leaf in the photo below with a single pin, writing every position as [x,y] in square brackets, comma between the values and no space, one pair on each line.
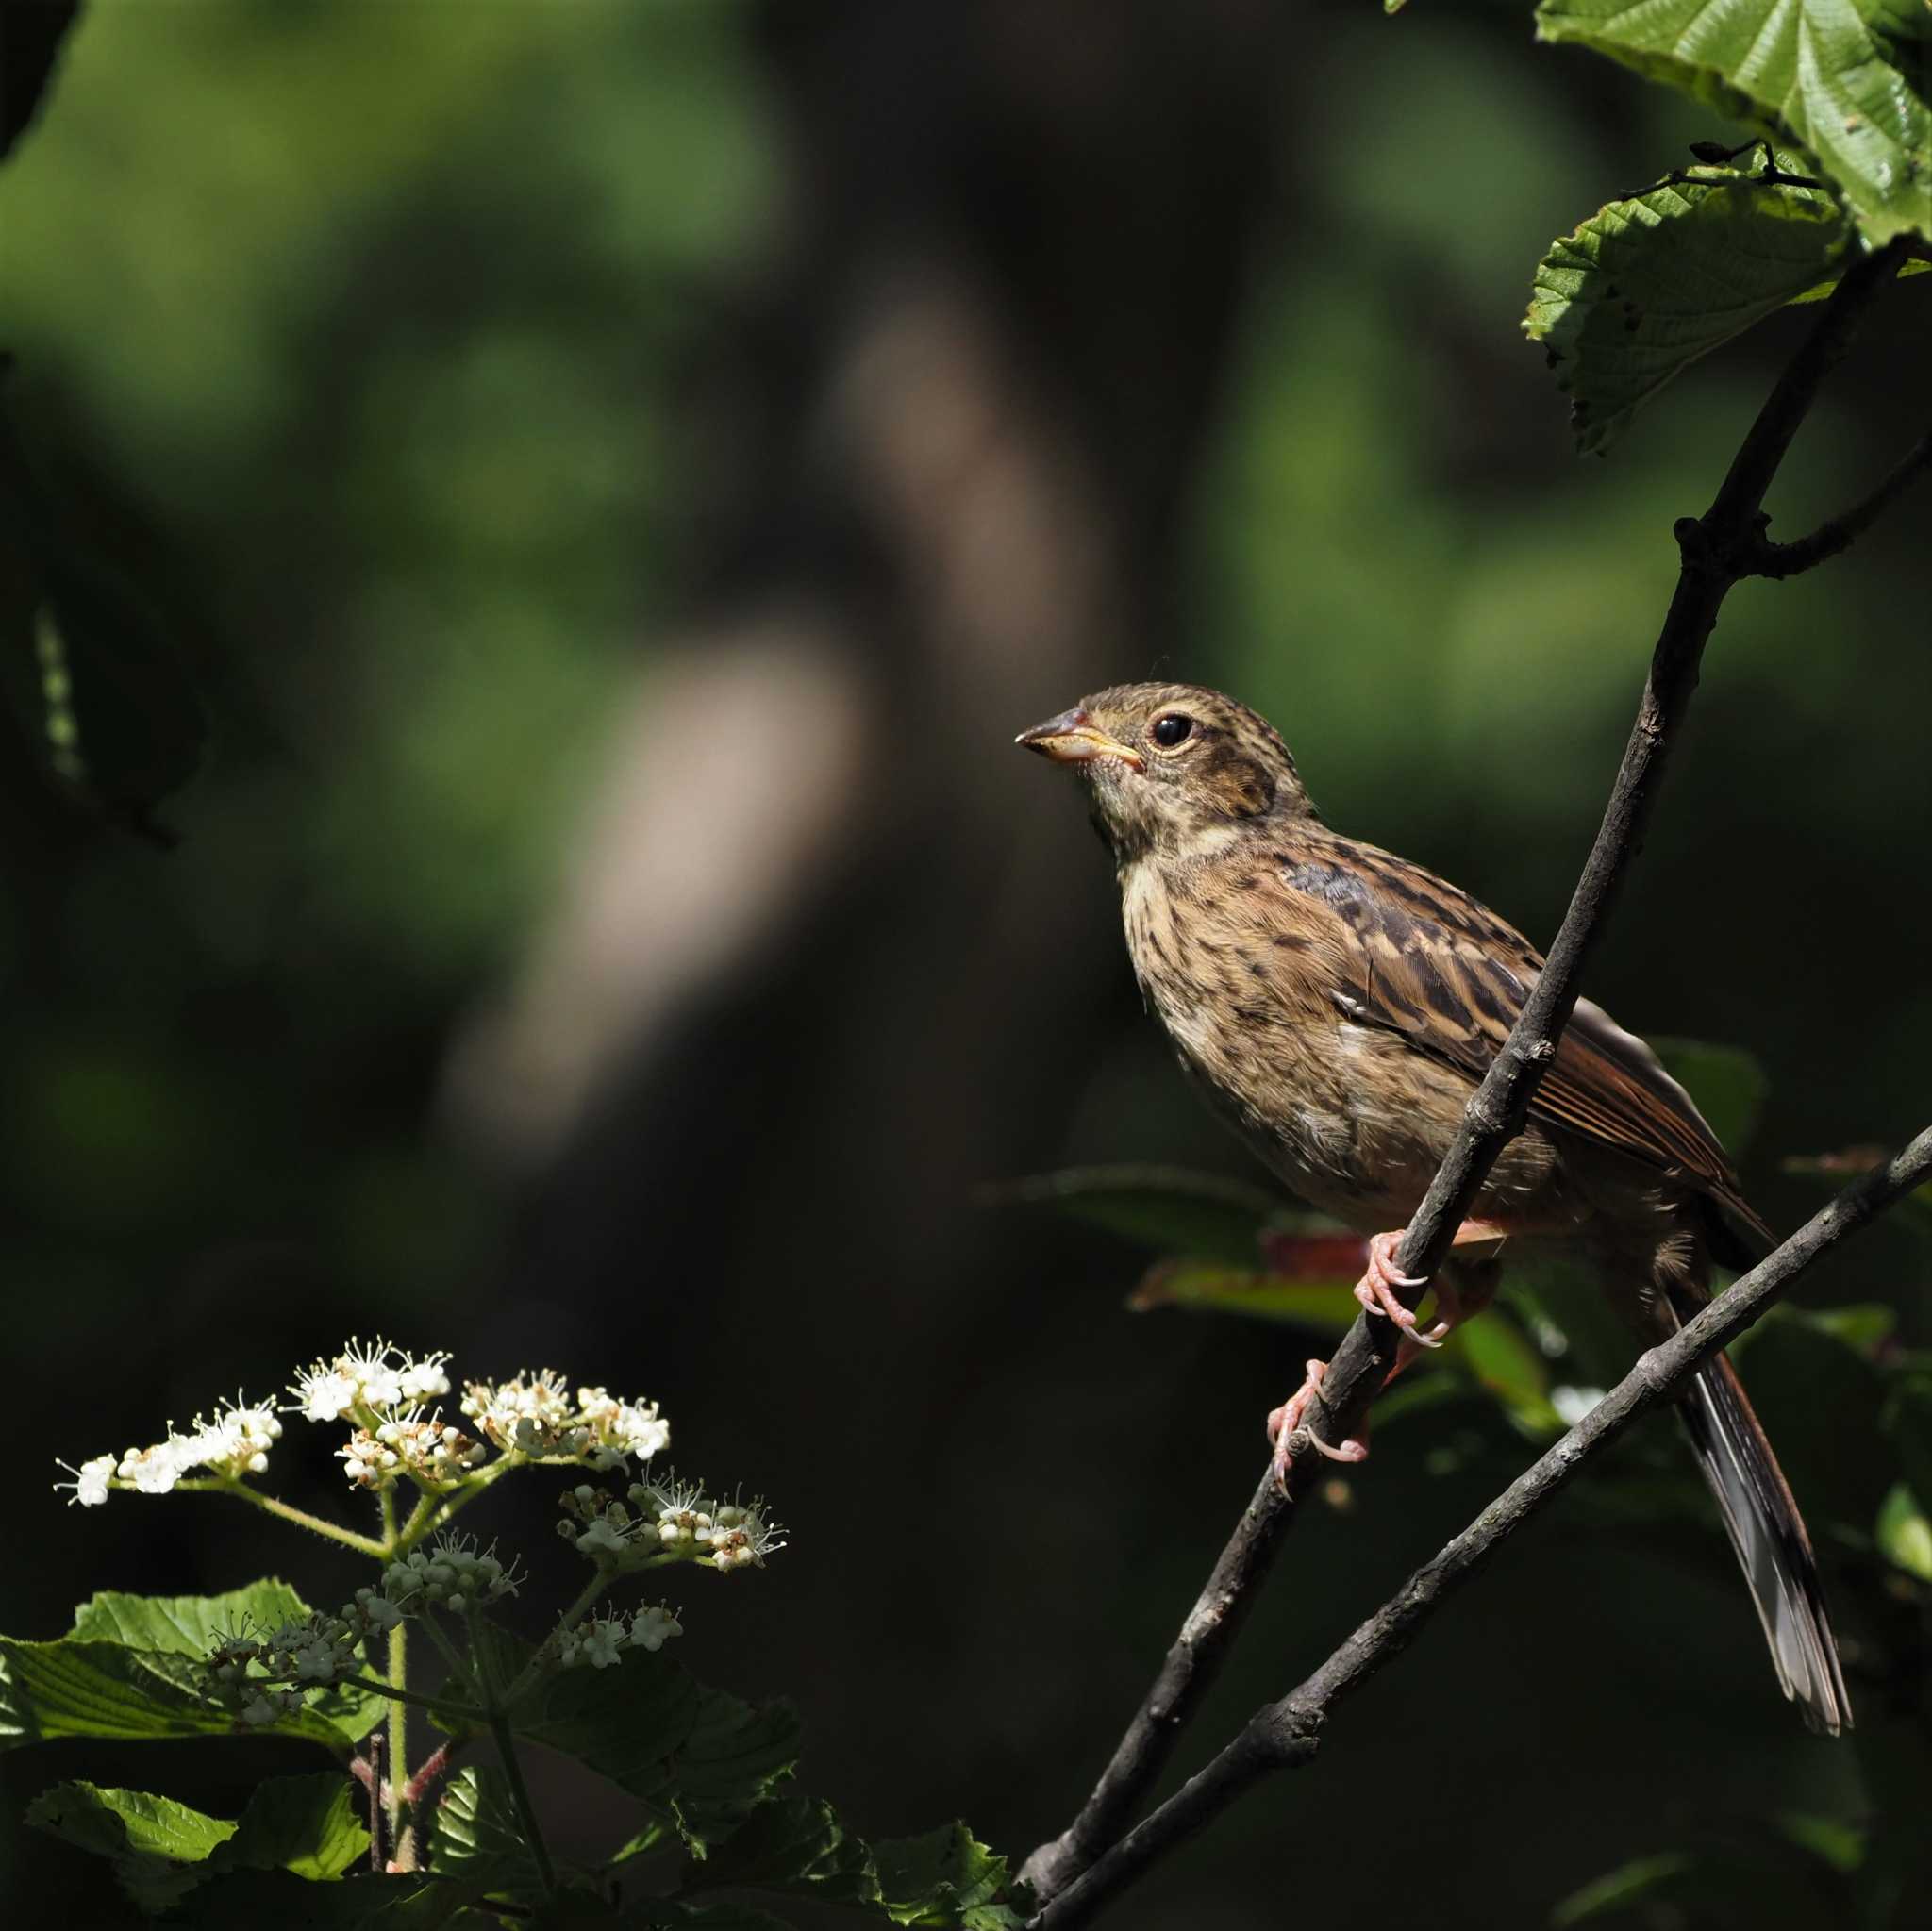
[1728,1084]
[130,1669]
[1849,79]
[671,1914]
[477,1838]
[791,1843]
[1208,1285]
[1904,1534]
[736,1756]
[1649,284]
[148,1840]
[1615,1891]
[624,1722]
[1908,1420]
[160,1849]
[275,1900]
[1168,1208]
[943,1878]
[304,1825]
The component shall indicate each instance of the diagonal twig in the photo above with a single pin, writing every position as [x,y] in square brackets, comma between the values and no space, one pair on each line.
[1715,552]
[1285,1735]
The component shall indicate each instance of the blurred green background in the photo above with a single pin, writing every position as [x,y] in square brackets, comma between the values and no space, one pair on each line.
[616,476]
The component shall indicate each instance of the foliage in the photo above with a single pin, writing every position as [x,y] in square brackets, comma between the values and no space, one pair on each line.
[711,1777]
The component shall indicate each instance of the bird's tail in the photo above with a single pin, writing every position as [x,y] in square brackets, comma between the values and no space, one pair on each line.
[1769,1535]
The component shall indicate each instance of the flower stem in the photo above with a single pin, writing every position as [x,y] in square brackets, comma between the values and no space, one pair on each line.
[444,1706]
[284,1511]
[512,1768]
[585,1597]
[399,1677]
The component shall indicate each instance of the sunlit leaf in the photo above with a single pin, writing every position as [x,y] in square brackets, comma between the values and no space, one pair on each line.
[147,1838]
[1849,79]
[1168,1208]
[1904,1533]
[129,1669]
[1327,1304]
[945,1877]
[1647,285]
[476,1837]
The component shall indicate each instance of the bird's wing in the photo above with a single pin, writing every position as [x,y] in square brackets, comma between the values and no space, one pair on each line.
[1412,954]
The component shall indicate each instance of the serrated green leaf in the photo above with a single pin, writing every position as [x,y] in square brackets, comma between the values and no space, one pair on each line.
[129,1669]
[152,1842]
[1647,285]
[1728,1084]
[791,1843]
[736,1756]
[1848,79]
[161,1848]
[945,1877]
[624,1722]
[1168,1208]
[304,1825]
[477,1838]
[1904,1534]
[258,1900]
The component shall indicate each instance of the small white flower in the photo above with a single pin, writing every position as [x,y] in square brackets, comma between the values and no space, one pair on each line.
[90,1483]
[600,1541]
[324,1394]
[154,1471]
[652,1627]
[601,1643]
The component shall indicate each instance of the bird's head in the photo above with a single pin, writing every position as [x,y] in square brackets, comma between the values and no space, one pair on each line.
[1174,768]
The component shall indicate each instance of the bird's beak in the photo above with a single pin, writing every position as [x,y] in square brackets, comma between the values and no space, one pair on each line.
[1074,738]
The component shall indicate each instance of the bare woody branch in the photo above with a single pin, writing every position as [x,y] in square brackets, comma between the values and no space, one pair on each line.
[1828,540]
[1284,1734]
[1716,551]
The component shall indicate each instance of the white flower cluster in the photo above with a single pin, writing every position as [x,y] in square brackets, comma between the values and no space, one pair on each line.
[363,1383]
[533,1415]
[235,1442]
[433,1452]
[666,1521]
[453,1573]
[599,1641]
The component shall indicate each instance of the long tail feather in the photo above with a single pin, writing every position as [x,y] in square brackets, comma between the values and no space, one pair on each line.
[1769,1535]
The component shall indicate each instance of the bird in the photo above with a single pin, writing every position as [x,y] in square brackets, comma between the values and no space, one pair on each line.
[1338,1005]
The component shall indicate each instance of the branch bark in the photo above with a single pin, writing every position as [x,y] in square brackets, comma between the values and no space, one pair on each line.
[1284,1734]
[1779,560]
[1716,551]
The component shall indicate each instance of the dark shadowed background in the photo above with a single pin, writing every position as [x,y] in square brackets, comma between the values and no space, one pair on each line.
[618,475]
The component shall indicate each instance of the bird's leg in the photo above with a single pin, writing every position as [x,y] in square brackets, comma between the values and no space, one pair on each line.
[1376,1290]
[1285,1420]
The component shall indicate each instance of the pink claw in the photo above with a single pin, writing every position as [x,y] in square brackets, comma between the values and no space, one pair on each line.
[1377,1292]
[1286,1420]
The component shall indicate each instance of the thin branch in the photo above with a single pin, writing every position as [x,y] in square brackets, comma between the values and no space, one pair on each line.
[1714,553]
[1284,1734]
[282,1511]
[1779,560]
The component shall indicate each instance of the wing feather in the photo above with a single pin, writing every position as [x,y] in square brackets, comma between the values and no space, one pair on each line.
[1426,962]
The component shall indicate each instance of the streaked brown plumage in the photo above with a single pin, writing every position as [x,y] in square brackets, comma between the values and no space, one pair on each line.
[1338,1004]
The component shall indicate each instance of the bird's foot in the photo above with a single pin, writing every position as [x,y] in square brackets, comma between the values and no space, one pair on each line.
[1286,1420]
[1377,1292]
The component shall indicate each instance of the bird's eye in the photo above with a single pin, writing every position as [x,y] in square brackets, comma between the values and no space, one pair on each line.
[1171,730]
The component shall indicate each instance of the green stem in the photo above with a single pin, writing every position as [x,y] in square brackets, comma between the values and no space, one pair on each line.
[597,1585]
[512,1766]
[284,1511]
[447,1650]
[444,1705]
[399,1677]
